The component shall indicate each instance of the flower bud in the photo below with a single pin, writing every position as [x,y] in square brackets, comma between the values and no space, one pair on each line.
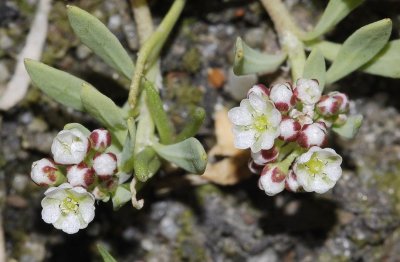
[100,139]
[314,134]
[289,129]
[254,168]
[100,193]
[291,183]
[265,156]
[307,91]
[333,104]
[69,147]
[45,173]
[340,120]
[105,165]
[272,179]
[258,89]
[282,96]
[80,175]
[300,117]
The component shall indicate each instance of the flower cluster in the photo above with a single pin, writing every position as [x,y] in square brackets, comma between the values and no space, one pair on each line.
[80,172]
[286,127]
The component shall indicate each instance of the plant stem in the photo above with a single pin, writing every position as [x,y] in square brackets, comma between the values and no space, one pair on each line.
[143,21]
[288,34]
[151,48]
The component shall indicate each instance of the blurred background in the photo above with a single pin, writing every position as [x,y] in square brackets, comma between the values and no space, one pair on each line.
[185,218]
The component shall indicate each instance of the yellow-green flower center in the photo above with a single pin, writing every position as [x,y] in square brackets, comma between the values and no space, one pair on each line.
[315,165]
[69,205]
[260,123]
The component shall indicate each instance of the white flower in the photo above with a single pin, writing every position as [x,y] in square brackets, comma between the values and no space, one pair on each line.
[80,175]
[307,91]
[282,96]
[272,180]
[314,134]
[256,123]
[45,173]
[105,165]
[69,147]
[318,170]
[100,139]
[68,208]
[289,129]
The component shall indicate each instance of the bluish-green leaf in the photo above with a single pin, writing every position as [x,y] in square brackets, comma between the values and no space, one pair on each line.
[59,85]
[333,14]
[95,35]
[386,62]
[315,67]
[78,126]
[188,154]
[250,61]
[359,48]
[127,155]
[146,164]
[102,108]
[350,128]
[121,196]
[105,254]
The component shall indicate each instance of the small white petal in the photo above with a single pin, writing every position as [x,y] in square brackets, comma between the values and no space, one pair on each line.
[268,139]
[275,118]
[257,102]
[86,209]
[51,210]
[322,185]
[244,139]
[240,116]
[70,224]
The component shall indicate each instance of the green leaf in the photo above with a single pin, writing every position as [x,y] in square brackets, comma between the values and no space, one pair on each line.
[61,86]
[250,61]
[121,196]
[333,14]
[359,48]
[155,105]
[328,49]
[315,67]
[102,108]
[104,254]
[386,62]
[78,126]
[95,35]
[146,164]
[127,155]
[196,119]
[350,128]
[188,154]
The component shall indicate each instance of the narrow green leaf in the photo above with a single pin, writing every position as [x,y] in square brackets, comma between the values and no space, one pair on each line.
[359,48]
[188,154]
[105,254]
[78,126]
[127,155]
[102,108]
[121,196]
[196,119]
[95,35]
[61,86]
[328,49]
[155,105]
[315,67]
[250,61]
[146,164]
[350,128]
[386,62]
[333,14]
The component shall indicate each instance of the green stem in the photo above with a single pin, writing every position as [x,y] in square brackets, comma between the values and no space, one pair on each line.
[288,34]
[287,162]
[151,48]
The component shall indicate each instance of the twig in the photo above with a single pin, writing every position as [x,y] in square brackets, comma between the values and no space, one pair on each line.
[19,83]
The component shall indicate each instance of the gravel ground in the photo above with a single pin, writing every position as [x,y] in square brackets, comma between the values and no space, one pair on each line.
[357,221]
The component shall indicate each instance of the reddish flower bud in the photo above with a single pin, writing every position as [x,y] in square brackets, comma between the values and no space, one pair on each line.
[105,165]
[282,96]
[254,168]
[265,156]
[45,173]
[258,89]
[291,183]
[332,104]
[289,129]
[100,139]
[80,175]
[272,179]
[314,134]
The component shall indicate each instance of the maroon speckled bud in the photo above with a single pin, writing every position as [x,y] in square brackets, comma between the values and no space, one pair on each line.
[265,156]
[258,89]
[314,134]
[282,96]
[80,175]
[289,129]
[100,139]
[105,165]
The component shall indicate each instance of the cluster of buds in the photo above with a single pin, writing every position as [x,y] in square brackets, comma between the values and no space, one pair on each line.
[286,127]
[79,173]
